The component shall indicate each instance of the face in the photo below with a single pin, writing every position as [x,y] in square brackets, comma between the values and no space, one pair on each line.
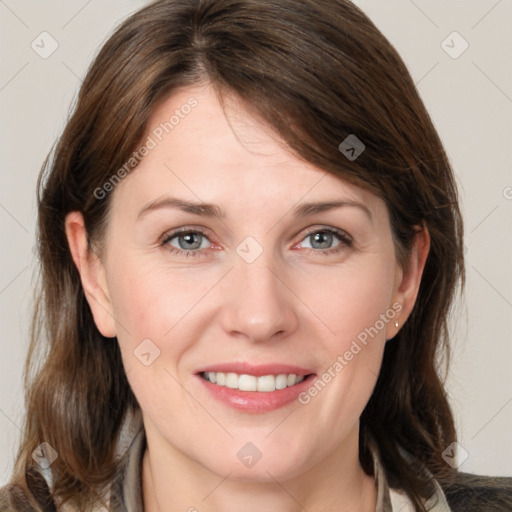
[255,292]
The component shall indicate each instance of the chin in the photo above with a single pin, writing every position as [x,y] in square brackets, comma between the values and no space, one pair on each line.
[247,463]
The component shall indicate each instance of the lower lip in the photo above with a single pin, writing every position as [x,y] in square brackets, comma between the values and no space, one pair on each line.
[256,401]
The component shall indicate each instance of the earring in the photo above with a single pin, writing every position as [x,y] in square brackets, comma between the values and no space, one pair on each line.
[396,324]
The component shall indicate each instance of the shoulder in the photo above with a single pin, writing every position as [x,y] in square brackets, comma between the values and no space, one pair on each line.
[13,498]
[479,493]
[36,498]
[127,483]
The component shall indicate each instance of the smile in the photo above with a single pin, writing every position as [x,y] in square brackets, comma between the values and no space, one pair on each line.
[245,382]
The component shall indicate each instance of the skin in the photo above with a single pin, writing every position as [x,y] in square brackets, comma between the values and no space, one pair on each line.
[292,305]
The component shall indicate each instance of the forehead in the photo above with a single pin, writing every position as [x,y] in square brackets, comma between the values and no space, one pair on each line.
[202,152]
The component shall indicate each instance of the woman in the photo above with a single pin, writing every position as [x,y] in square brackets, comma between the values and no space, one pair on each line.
[286,358]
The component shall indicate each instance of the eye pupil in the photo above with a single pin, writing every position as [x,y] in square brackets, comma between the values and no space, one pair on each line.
[324,238]
[189,237]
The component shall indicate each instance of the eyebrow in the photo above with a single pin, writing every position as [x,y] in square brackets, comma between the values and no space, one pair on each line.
[202,209]
[212,210]
[310,208]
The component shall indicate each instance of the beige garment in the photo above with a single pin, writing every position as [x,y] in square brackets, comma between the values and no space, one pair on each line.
[392,500]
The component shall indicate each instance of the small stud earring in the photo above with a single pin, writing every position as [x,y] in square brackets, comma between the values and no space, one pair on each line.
[396,324]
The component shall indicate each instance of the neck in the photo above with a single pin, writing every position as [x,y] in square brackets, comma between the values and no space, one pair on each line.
[172,482]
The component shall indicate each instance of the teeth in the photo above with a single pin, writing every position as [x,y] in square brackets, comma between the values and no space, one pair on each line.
[247,383]
[232,380]
[244,382]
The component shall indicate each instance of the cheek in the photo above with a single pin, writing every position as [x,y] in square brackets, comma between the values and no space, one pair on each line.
[350,300]
[151,300]
[159,304]
[154,309]
[354,304]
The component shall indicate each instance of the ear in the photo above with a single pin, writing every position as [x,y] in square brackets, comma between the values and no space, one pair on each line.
[407,284]
[92,274]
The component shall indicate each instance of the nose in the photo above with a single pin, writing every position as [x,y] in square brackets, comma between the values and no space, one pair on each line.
[258,303]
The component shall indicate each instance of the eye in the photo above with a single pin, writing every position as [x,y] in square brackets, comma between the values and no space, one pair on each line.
[321,240]
[186,242]
[193,242]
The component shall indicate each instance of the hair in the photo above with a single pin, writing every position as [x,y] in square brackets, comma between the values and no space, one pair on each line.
[314,71]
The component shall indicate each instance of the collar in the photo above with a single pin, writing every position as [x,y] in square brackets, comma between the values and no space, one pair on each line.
[126,490]
[395,500]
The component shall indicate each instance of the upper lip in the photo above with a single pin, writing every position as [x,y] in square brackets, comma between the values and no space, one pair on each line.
[257,370]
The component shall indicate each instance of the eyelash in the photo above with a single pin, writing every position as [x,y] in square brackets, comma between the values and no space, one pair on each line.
[345,240]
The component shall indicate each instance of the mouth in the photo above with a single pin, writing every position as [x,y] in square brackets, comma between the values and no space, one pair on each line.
[245,382]
[255,389]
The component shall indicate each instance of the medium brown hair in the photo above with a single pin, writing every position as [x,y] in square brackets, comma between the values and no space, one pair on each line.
[315,71]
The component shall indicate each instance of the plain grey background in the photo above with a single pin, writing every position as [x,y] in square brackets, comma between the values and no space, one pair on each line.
[465,80]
